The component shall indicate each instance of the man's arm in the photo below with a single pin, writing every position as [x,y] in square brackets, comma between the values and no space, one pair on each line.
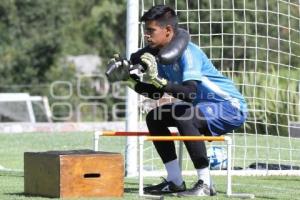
[186,91]
[145,89]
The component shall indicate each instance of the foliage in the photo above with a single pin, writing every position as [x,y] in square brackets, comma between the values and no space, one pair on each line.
[272,98]
[37,34]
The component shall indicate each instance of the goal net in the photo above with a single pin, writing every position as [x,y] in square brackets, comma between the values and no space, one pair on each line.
[21,107]
[257,45]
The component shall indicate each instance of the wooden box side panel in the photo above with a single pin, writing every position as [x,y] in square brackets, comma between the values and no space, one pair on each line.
[110,167]
[41,174]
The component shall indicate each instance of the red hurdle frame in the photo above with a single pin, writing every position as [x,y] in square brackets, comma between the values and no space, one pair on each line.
[144,136]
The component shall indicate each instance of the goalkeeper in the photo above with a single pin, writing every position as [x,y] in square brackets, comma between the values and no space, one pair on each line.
[210,104]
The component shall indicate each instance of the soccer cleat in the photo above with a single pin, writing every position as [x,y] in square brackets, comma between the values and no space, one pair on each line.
[165,187]
[199,189]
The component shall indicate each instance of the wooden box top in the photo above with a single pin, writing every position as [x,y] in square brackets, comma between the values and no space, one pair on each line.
[72,152]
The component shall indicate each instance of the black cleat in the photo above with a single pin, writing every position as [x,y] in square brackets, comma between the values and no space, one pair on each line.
[199,189]
[166,187]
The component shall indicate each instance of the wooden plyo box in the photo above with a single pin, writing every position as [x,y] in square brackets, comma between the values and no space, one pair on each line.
[78,173]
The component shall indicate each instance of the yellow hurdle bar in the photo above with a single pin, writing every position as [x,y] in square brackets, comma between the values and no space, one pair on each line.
[185,138]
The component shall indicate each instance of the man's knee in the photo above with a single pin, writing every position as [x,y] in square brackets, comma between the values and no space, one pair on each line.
[152,121]
[183,116]
[150,117]
[191,119]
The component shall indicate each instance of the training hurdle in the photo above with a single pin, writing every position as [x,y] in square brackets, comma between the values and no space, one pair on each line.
[144,136]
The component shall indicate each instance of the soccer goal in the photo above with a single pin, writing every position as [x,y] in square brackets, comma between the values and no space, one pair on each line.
[256,44]
[21,107]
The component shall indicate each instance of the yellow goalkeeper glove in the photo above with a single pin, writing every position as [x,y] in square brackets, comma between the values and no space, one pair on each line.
[151,73]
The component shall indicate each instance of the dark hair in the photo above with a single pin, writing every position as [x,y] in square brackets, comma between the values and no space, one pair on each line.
[163,14]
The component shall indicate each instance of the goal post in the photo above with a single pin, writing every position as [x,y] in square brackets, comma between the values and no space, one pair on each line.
[132,37]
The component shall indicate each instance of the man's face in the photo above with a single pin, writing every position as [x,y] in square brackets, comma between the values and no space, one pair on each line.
[156,36]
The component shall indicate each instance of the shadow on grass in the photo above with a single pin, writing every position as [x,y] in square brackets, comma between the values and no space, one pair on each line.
[280,178]
[131,190]
[131,187]
[264,197]
[11,174]
[22,194]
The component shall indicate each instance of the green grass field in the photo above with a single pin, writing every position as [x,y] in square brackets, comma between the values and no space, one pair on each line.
[14,145]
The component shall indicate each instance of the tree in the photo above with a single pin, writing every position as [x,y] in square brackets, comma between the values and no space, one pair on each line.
[37,34]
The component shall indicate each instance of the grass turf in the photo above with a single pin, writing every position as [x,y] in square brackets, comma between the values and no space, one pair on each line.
[14,145]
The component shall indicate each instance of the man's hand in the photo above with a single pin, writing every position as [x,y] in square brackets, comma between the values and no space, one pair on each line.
[117,69]
[151,73]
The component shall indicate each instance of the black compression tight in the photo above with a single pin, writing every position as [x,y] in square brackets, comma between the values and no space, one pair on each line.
[189,122]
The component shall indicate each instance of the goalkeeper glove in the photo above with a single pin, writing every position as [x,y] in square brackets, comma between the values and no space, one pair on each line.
[117,69]
[151,73]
